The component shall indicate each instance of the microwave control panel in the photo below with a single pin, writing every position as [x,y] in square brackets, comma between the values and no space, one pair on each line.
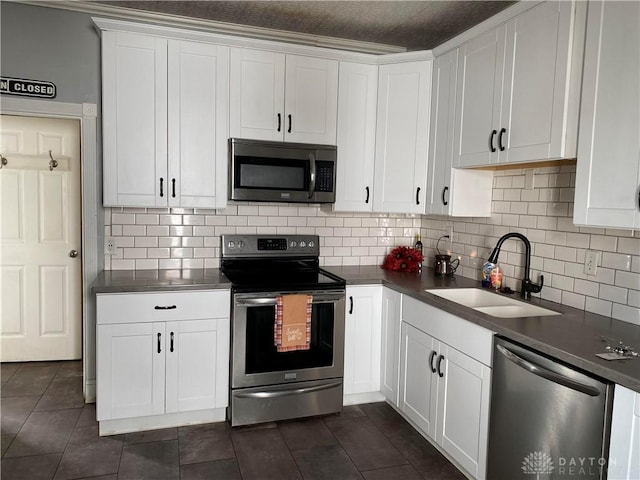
[324,176]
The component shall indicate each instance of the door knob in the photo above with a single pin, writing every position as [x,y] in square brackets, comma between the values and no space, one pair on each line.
[73,253]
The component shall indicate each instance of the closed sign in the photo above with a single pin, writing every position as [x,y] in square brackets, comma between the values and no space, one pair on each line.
[27,88]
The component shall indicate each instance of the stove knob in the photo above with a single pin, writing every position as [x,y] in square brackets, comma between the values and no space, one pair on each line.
[311,244]
[240,244]
[303,244]
[293,244]
[231,244]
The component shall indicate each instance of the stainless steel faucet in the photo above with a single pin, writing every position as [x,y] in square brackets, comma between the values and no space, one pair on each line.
[527,286]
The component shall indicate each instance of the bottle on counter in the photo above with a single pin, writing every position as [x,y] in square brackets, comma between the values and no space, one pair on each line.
[418,245]
[486,274]
[496,278]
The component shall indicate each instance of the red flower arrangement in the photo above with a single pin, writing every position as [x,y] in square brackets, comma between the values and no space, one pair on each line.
[403,259]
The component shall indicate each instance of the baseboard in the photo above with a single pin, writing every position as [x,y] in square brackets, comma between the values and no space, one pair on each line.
[155,422]
[367,397]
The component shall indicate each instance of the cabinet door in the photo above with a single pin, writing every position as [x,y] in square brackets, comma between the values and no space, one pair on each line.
[390,356]
[130,370]
[402,137]
[357,97]
[538,48]
[198,108]
[443,105]
[478,99]
[463,409]
[134,102]
[624,450]
[362,340]
[197,364]
[256,93]
[608,171]
[311,100]
[418,384]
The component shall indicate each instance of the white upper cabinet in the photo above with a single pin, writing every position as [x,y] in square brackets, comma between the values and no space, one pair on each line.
[283,97]
[402,137]
[357,99]
[608,170]
[451,191]
[517,86]
[165,105]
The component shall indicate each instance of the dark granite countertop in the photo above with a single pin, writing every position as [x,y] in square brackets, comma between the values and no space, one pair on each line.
[119,281]
[574,337]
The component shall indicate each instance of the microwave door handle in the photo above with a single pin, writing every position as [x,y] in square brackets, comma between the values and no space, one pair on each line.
[312,174]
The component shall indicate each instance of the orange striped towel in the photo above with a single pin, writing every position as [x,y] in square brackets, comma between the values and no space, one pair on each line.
[293,322]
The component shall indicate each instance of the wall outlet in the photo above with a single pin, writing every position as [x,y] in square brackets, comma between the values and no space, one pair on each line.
[591,261]
[109,246]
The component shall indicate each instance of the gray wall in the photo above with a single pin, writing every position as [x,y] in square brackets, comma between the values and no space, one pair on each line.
[59,46]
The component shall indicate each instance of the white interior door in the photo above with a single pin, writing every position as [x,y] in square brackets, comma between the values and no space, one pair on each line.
[40,240]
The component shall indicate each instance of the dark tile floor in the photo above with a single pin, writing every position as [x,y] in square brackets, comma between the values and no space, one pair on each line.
[49,433]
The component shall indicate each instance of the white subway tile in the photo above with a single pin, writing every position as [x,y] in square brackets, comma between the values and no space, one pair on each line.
[182,252]
[547,223]
[144,242]
[158,253]
[147,219]
[134,230]
[124,242]
[551,294]
[558,209]
[257,221]
[147,264]
[123,264]
[192,241]
[614,294]
[553,266]
[562,283]
[170,219]
[123,218]
[134,252]
[628,279]
[573,300]
[193,263]
[277,221]
[512,195]
[566,254]
[633,298]
[182,231]
[601,307]
[586,287]
[579,240]
[193,219]
[215,220]
[629,245]
[170,241]
[248,210]
[617,261]
[208,231]
[626,314]
[601,242]
[169,263]
[157,230]
[604,275]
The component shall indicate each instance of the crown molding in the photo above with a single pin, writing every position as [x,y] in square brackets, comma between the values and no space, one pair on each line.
[221,28]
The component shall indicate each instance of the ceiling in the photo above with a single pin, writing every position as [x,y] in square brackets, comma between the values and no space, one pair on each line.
[410,25]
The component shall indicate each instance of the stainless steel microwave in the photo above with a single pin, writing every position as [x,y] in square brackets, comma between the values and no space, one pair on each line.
[281,172]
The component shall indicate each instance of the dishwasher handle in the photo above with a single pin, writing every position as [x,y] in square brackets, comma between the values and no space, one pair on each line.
[548,374]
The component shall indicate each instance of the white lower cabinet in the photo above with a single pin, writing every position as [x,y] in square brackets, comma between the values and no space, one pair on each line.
[162,359]
[624,449]
[443,391]
[362,344]
[390,355]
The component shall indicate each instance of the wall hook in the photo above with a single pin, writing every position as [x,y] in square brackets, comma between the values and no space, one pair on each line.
[3,161]
[52,163]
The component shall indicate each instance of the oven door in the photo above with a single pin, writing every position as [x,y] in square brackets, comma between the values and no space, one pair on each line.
[255,360]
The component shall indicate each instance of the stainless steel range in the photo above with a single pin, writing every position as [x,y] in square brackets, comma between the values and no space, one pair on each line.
[268,384]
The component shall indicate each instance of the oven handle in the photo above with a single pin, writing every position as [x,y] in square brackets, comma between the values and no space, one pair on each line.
[312,174]
[317,298]
[284,393]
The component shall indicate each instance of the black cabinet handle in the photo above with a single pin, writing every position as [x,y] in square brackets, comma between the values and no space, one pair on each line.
[502,132]
[493,135]
[350,305]
[367,199]
[418,196]
[165,307]
[289,129]
[171,343]
[440,359]
[173,187]
[159,339]
[444,193]
[161,187]
[279,121]
[431,357]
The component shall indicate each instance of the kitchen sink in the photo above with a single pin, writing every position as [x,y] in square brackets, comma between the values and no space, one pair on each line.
[491,303]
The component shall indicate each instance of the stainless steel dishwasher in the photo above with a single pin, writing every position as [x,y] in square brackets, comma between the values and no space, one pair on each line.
[547,420]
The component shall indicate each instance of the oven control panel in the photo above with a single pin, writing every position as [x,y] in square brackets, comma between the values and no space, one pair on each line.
[234,246]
